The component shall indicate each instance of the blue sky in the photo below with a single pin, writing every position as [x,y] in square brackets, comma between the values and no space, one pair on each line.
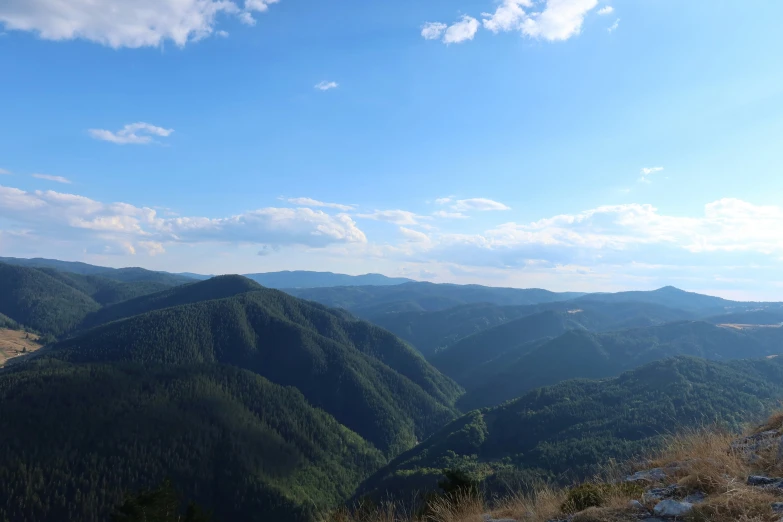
[565,144]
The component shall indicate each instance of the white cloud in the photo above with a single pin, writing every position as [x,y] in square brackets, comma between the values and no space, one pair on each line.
[647,172]
[398,217]
[58,179]
[606,10]
[443,201]
[309,202]
[433,30]
[480,204]
[69,216]
[461,31]
[559,19]
[4,172]
[124,23]
[135,133]
[449,215]
[326,86]
[414,236]
[612,28]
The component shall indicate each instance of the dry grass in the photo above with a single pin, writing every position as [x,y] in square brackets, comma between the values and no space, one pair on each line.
[698,460]
[14,342]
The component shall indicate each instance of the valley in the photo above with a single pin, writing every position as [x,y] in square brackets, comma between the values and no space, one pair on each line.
[257,403]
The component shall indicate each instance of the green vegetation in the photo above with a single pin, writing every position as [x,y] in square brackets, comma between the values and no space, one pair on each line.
[78,439]
[364,376]
[103,290]
[572,429]
[582,354]
[38,300]
[162,504]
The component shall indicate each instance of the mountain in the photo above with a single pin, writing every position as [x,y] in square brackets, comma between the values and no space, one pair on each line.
[303,279]
[673,298]
[584,354]
[215,288]
[79,438]
[365,377]
[103,290]
[571,430]
[125,275]
[368,301]
[42,302]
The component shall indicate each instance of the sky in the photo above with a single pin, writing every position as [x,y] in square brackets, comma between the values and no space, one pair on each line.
[583,145]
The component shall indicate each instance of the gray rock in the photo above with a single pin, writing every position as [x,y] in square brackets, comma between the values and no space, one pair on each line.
[695,498]
[649,475]
[760,480]
[636,506]
[750,446]
[660,493]
[488,518]
[777,507]
[672,508]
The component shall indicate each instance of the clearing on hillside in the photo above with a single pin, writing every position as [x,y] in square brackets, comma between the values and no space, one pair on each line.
[16,342]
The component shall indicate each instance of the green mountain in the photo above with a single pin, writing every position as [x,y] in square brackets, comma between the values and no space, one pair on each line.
[671,297]
[38,300]
[125,275]
[103,290]
[572,429]
[583,354]
[304,279]
[368,379]
[215,288]
[78,438]
[369,300]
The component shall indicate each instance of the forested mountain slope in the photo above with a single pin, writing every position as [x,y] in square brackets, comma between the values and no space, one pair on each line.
[583,354]
[305,279]
[423,296]
[364,376]
[125,275]
[38,300]
[574,428]
[103,290]
[78,438]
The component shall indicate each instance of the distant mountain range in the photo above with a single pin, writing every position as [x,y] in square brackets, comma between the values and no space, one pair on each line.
[303,279]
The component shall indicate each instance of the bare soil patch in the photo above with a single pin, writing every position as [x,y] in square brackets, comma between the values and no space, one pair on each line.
[14,343]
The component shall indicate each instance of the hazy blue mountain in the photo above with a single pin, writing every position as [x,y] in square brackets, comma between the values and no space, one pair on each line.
[367,301]
[304,279]
[579,353]
[125,275]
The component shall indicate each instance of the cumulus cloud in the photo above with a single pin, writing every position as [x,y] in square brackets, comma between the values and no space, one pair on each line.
[123,23]
[606,10]
[433,30]
[461,31]
[478,204]
[58,179]
[135,133]
[117,23]
[70,216]
[558,20]
[326,86]
[397,217]
[309,202]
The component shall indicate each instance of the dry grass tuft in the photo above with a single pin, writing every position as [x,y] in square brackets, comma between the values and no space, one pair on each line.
[541,505]
[455,508]
[741,504]
[775,422]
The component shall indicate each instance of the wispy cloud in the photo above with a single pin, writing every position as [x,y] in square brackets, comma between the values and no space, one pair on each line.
[4,172]
[122,23]
[478,204]
[58,179]
[606,10]
[398,217]
[647,172]
[414,236]
[309,202]
[449,215]
[612,28]
[326,86]
[135,134]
